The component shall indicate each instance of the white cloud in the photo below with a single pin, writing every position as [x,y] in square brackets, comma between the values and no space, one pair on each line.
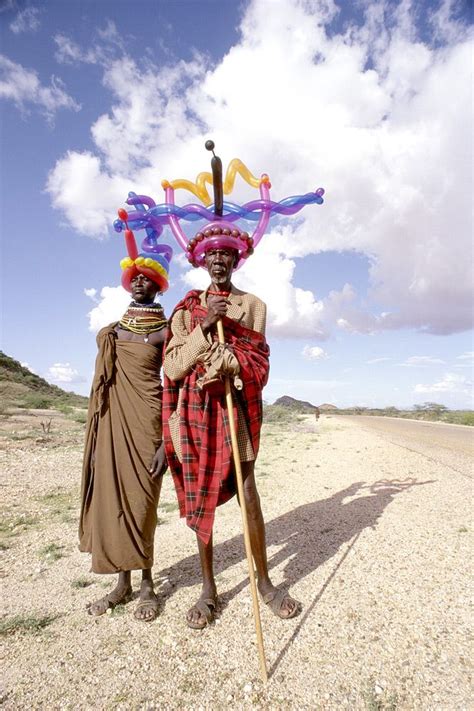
[314,353]
[110,307]
[69,52]
[466,360]
[64,373]
[92,294]
[469,355]
[27,20]
[291,311]
[23,87]
[445,27]
[79,188]
[27,365]
[377,117]
[451,383]
[109,43]
[383,359]
[421,361]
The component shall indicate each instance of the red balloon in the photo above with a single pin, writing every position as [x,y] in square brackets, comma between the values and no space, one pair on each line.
[131,244]
[123,214]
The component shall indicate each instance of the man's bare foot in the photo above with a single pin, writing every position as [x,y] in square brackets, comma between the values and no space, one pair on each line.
[148,605]
[119,595]
[203,612]
[280,602]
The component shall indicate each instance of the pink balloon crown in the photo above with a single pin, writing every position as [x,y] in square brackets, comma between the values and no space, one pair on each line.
[218,235]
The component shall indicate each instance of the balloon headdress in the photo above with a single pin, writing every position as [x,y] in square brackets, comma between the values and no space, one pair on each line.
[220,230]
[153,261]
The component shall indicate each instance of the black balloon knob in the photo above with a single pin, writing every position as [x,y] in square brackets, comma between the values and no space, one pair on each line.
[209,145]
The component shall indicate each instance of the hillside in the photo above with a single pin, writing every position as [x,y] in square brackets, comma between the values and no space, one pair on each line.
[327,407]
[19,387]
[294,404]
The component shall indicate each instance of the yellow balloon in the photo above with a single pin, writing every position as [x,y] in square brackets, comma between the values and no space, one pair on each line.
[236,166]
[200,190]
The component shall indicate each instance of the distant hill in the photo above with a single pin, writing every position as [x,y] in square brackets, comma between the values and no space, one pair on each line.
[326,407]
[19,387]
[294,404]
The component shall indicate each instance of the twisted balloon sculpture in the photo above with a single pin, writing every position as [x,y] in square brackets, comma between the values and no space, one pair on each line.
[153,218]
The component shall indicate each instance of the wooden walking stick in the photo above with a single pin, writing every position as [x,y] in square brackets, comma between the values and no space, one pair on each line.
[216,165]
[243,510]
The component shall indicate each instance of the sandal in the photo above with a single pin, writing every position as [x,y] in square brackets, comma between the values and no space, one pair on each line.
[151,605]
[207,610]
[101,606]
[275,600]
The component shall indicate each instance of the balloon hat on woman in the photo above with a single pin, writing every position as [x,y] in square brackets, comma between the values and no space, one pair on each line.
[153,262]
[221,229]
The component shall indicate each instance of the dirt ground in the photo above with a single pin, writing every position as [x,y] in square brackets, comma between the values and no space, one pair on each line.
[369,530]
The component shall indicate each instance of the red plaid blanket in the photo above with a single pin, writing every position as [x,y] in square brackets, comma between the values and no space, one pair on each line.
[205,478]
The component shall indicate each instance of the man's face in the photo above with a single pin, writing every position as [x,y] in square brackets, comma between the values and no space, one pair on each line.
[220,264]
[143,289]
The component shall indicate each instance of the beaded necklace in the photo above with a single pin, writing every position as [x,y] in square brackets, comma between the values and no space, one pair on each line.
[218,293]
[143,319]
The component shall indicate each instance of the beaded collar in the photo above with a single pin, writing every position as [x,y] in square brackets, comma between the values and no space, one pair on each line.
[143,318]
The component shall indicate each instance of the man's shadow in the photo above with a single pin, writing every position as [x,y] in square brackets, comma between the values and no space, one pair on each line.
[305,537]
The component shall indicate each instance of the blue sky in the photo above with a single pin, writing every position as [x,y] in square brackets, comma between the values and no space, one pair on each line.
[369,295]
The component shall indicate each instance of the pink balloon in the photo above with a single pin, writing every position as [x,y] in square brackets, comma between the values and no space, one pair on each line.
[264,215]
[173,221]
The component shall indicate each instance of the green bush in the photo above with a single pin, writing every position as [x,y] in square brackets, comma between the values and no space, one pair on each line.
[279,414]
[80,417]
[65,409]
[36,401]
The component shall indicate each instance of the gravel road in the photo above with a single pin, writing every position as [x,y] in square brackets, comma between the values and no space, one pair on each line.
[451,445]
[369,525]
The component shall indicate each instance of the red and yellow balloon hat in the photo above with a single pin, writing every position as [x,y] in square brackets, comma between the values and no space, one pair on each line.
[152,264]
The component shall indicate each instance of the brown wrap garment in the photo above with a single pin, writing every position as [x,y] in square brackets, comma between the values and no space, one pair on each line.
[119,498]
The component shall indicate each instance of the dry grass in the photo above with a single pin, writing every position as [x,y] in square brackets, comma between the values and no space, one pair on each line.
[32,624]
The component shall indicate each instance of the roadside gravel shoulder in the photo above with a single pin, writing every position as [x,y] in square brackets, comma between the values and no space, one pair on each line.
[372,538]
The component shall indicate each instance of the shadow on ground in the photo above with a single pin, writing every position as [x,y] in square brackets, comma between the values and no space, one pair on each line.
[306,537]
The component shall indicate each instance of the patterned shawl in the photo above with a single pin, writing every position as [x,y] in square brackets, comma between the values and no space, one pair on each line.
[205,479]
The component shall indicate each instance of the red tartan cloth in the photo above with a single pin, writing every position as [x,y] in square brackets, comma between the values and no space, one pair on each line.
[205,478]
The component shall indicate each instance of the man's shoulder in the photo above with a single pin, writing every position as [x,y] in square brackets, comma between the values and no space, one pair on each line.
[247,296]
[186,304]
[190,299]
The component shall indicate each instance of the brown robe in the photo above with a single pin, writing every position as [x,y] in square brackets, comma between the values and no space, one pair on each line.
[119,498]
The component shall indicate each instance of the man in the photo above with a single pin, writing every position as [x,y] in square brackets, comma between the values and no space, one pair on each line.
[195,420]
[124,454]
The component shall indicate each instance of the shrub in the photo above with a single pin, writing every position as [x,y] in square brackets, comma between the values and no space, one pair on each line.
[65,409]
[36,401]
[80,417]
[279,414]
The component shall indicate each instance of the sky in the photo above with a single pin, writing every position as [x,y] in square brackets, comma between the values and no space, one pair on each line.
[369,295]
